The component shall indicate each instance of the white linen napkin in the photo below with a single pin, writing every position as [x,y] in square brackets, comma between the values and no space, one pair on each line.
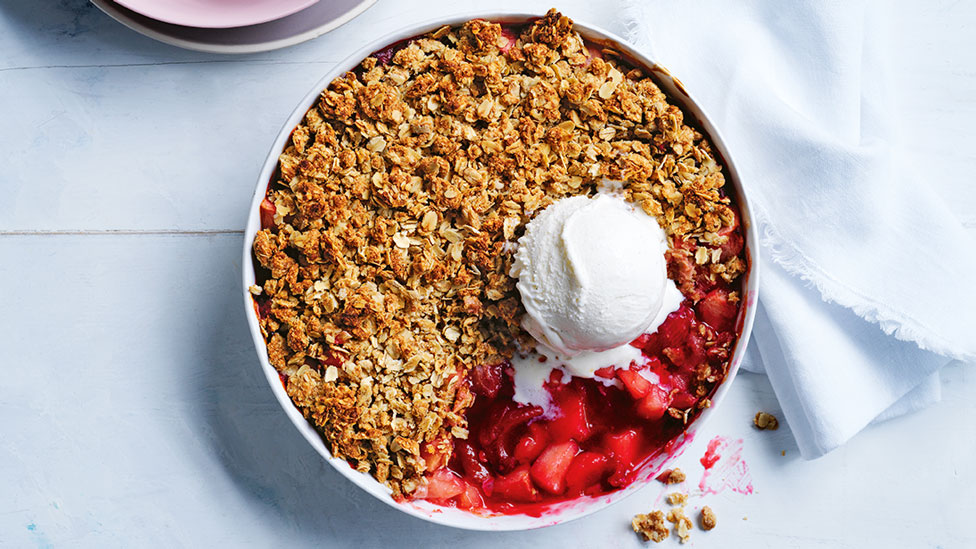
[862,265]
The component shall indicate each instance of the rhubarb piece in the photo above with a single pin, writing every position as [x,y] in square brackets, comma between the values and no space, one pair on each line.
[574,421]
[516,486]
[643,342]
[671,333]
[734,242]
[443,484]
[267,213]
[496,440]
[637,385]
[654,364]
[717,311]
[470,498]
[654,404]
[507,39]
[472,467]
[695,346]
[586,470]
[493,423]
[506,417]
[674,330]
[678,382]
[486,379]
[732,246]
[689,356]
[683,400]
[720,348]
[681,267]
[531,445]
[623,446]
[550,468]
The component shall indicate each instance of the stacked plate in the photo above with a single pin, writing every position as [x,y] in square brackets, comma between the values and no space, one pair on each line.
[220,26]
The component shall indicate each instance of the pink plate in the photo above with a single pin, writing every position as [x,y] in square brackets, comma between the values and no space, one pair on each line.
[216,14]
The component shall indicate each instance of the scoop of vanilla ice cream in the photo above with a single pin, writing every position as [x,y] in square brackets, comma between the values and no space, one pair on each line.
[591,273]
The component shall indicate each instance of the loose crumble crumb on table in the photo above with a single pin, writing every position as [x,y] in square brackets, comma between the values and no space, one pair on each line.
[765,421]
[707,518]
[682,524]
[677,498]
[672,476]
[651,527]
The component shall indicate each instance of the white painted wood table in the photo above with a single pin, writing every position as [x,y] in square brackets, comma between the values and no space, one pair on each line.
[132,409]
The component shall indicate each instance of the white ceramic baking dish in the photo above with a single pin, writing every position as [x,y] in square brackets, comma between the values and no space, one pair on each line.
[561,512]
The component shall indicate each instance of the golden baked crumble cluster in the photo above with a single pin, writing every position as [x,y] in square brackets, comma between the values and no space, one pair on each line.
[653,526]
[393,217]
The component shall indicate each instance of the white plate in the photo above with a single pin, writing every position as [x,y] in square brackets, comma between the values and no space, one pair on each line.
[307,24]
[560,512]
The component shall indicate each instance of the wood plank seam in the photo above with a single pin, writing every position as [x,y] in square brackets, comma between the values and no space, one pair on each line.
[123,232]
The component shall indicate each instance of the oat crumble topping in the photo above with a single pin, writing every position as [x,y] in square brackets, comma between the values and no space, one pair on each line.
[398,200]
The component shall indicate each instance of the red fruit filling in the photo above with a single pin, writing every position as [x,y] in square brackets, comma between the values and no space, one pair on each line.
[597,438]
[717,311]
[267,212]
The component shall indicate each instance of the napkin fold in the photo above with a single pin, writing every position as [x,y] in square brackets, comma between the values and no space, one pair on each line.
[862,265]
